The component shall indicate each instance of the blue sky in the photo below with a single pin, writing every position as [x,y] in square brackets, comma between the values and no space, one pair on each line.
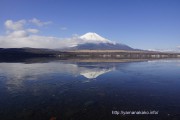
[145,24]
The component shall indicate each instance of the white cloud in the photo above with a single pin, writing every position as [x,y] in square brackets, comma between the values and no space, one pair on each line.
[16,28]
[18,36]
[35,41]
[32,30]
[37,22]
[63,28]
[172,50]
[18,33]
[10,25]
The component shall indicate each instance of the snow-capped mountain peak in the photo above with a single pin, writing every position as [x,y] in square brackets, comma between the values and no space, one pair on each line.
[90,36]
[93,41]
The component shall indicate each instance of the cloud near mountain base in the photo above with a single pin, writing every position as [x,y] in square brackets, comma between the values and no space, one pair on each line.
[18,36]
[24,33]
[35,41]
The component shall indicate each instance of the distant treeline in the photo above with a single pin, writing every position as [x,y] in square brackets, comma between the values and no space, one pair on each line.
[20,53]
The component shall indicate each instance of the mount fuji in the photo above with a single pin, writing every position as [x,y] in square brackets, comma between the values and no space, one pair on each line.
[93,41]
[94,37]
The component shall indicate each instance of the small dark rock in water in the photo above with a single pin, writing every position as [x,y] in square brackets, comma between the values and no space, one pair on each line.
[52,118]
[102,94]
[71,112]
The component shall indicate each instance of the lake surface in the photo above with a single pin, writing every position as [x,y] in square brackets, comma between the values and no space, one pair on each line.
[62,90]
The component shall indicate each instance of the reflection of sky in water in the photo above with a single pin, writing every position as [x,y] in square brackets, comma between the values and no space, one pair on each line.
[17,73]
[72,89]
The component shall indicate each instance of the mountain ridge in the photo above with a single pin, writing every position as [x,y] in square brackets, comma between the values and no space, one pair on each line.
[93,41]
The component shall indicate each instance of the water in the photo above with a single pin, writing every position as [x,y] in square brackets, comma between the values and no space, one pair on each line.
[60,90]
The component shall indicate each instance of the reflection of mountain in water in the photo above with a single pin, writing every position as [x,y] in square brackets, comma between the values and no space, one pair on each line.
[15,74]
[91,74]
[93,70]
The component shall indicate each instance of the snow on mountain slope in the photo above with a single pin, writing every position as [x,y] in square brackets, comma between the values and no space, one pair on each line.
[93,41]
[94,37]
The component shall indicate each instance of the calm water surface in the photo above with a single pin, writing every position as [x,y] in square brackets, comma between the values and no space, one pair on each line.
[90,91]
